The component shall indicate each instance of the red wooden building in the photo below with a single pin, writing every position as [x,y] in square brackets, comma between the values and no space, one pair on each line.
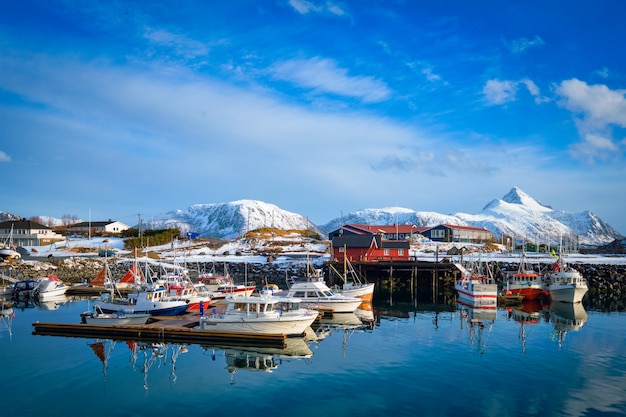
[369,247]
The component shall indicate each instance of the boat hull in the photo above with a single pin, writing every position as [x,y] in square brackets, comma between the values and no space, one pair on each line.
[529,293]
[365,291]
[335,306]
[156,310]
[288,326]
[567,293]
[114,319]
[477,293]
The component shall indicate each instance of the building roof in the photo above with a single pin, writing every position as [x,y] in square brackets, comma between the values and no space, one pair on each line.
[22,224]
[93,224]
[360,229]
[356,241]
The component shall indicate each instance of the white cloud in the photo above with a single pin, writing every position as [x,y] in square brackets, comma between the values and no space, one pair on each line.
[600,108]
[500,92]
[323,76]
[4,157]
[596,102]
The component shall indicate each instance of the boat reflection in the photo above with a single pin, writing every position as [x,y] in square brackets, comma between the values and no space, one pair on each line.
[528,313]
[143,355]
[479,323]
[345,323]
[6,318]
[50,303]
[260,359]
[566,317]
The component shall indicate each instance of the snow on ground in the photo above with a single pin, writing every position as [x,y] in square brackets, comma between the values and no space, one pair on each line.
[238,251]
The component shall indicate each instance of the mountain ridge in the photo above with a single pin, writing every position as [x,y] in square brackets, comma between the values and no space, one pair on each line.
[516,214]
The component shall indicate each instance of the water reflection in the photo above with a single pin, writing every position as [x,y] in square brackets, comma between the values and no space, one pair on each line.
[479,323]
[6,318]
[566,317]
[50,303]
[261,359]
[527,315]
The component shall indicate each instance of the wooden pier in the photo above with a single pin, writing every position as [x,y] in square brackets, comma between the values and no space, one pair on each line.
[175,329]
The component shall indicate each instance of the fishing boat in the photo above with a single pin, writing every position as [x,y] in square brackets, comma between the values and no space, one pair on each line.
[477,288]
[49,287]
[152,300]
[119,318]
[263,314]
[315,294]
[353,284]
[525,281]
[565,283]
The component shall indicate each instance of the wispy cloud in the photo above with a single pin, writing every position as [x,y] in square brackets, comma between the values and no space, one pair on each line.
[323,76]
[599,109]
[520,45]
[179,44]
[304,7]
[4,157]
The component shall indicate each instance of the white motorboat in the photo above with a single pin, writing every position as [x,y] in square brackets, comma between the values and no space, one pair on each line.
[119,318]
[315,294]
[154,301]
[565,283]
[264,314]
[49,287]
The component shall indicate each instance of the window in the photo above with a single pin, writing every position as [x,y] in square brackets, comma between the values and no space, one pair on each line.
[400,252]
[438,233]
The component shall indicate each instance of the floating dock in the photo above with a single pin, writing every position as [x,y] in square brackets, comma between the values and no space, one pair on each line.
[177,329]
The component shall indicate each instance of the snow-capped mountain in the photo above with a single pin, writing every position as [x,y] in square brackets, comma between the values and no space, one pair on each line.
[517,214]
[229,220]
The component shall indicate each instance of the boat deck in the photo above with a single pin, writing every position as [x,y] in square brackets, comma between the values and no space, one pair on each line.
[175,329]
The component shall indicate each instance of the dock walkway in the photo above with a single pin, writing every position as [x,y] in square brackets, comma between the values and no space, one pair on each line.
[175,329]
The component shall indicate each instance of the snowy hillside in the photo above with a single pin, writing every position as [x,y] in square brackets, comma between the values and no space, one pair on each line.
[229,220]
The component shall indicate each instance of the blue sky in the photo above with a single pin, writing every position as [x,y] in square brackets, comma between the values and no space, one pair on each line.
[114,109]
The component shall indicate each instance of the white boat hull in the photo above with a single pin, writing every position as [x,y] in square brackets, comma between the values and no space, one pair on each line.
[336,305]
[477,294]
[567,293]
[364,291]
[287,326]
[115,319]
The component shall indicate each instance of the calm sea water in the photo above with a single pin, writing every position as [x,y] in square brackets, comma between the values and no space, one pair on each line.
[540,361]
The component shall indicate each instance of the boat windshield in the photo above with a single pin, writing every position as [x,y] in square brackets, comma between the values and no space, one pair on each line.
[288,306]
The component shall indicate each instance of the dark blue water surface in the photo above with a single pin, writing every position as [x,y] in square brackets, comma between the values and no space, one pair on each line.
[557,360]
